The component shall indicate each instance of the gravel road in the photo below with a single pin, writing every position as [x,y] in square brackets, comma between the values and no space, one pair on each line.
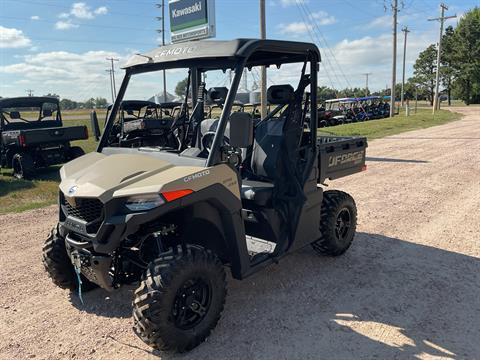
[408,288]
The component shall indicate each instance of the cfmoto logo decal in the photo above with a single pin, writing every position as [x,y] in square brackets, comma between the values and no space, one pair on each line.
[72,190]
[196,176]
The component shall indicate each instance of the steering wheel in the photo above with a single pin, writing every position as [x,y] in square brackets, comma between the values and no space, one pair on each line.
[207,140]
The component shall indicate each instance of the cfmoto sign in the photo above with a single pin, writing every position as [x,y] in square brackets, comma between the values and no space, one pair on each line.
[191,19]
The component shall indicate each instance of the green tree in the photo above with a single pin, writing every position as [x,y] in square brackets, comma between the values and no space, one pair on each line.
[467,57]
[180,88]
[90,103]
[448,68]
[67,104]
[101,103]
[424,71]
[325,93]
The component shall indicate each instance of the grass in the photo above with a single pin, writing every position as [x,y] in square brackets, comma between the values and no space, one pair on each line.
[380,128]
[20,195]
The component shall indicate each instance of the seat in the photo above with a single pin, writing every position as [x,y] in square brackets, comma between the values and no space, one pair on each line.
[258,192]
[266,152]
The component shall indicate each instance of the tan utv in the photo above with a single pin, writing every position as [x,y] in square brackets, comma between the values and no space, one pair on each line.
[237,192]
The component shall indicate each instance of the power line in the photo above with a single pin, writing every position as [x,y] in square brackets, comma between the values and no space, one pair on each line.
[394,57]
[29,92]
[162,18]
[314,37]
[405,32]
[366,82]
[111,84]
[68,7]
[442,19]
[82,24]
[112,75]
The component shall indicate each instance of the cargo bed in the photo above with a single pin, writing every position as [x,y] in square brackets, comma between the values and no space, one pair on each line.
[340,156]
[33,137]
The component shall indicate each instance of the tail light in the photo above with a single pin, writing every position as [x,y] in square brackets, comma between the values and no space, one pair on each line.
[21,140]
[86,132]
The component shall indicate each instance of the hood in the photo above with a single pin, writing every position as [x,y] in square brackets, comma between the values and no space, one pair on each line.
[97,175]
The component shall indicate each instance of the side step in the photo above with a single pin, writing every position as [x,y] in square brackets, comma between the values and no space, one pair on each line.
[258,246]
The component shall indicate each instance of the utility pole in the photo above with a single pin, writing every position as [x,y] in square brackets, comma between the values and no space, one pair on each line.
[162,5]
[111,84]
[112,75]
[394,60]
[366,82]
[405,32]
[263,76]
[442,19]
[29,92]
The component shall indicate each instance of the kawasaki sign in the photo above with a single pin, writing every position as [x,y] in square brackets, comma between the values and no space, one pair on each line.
[191,19]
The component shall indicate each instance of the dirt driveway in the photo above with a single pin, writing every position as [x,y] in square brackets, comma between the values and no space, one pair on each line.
[408,288]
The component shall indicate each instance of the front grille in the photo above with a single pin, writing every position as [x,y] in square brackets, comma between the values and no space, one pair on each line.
[85,209]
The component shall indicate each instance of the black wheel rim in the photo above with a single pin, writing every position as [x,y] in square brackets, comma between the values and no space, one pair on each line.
[191,303]
[343,225]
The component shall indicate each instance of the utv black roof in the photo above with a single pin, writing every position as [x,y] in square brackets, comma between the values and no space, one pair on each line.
[258,52]
[26,101]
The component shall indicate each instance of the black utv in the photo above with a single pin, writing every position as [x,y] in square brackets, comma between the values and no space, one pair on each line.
[237,193]
[32,135]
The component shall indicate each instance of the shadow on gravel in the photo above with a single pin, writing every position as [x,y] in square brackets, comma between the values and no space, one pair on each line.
[380,159]
[386,298]
[103,303]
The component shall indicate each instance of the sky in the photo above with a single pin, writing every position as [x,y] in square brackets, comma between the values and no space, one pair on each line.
[58,46]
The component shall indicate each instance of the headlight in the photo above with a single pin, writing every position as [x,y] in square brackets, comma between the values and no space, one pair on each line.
[144,202]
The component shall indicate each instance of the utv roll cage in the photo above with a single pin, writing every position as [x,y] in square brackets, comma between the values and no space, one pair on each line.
[26,102]
[210,55]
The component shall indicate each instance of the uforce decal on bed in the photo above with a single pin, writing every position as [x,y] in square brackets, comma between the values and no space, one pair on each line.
[351,157]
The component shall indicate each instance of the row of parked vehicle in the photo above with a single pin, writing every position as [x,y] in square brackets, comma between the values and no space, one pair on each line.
[33,135]
[349,110]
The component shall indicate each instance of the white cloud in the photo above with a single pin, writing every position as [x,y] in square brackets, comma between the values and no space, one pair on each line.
[73,75]
[35,17]
[82,11]
[79,10]
[13,38]
[102,10]
[295,28]
[65,25]
[323,18]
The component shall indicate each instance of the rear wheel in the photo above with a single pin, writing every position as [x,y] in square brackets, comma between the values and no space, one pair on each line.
[338,223]
[180,299]
[75,152]
[58,264]
[23,166]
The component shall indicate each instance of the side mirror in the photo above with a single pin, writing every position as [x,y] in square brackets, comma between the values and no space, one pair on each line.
[94,123]
[241,130]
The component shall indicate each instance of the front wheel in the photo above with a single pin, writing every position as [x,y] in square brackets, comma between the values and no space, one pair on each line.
[180,299]
[338,222]
[58,265]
